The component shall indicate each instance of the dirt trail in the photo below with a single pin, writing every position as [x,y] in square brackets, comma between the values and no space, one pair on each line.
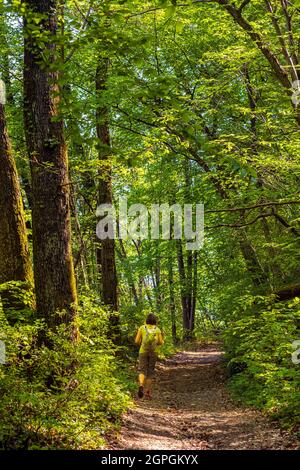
[191,409]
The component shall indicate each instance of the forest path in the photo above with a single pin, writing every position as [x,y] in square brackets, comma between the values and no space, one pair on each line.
[191,409]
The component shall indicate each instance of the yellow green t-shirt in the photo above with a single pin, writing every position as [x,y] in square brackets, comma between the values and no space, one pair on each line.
[142,333]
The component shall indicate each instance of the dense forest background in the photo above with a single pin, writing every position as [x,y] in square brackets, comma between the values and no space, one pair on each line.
[159,102]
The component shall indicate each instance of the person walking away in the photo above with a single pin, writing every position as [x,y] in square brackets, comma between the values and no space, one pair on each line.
[149,338]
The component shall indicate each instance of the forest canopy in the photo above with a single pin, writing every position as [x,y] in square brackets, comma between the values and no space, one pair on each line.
[156,103]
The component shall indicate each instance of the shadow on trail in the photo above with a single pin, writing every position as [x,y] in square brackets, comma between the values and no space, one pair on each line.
[191,409]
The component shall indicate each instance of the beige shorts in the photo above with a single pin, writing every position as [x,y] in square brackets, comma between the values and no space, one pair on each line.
[147,363]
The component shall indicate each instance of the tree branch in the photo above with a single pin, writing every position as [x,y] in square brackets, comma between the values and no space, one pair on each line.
[261,216]
[286,224]
[277,68]
[243,5]
[255,206]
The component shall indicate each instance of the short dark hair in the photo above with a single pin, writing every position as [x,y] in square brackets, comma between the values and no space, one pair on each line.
[151,319]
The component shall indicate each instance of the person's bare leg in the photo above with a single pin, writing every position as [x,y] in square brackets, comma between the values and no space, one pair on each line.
[150,375]
[142,380]
[148,387]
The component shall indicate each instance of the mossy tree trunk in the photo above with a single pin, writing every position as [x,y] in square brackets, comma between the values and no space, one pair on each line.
[15,263]
[52,254]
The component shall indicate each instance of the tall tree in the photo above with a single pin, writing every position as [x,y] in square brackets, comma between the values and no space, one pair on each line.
[172,302]
[106,250]
[188,288]
[15,263]
[52,255]
[276,38]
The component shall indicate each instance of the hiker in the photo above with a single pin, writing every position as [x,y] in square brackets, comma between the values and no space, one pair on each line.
[149,338]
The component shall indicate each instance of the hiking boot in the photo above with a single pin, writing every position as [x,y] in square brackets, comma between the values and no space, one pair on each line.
[141,392]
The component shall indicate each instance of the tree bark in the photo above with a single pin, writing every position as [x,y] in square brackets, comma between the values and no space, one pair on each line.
[254,267]
[128,272]
[52,254]
[15,263]
[106,251]
[172,305]
[186,287]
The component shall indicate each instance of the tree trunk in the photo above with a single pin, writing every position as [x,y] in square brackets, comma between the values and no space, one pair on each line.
[15,264]
[254,267]
[52,254]
[186,295]
[128,272]
[188,275]
[157,279]
[275,269]
[172,305]
[5,58]
[195,288]
[80,259]
[106,251]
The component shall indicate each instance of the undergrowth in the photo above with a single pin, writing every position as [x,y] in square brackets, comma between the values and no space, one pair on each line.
[66,395]
[259,350]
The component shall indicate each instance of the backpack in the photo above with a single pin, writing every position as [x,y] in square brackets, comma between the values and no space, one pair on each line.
[149,343]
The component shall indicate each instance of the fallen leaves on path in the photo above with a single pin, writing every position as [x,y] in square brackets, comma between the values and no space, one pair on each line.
[191,409]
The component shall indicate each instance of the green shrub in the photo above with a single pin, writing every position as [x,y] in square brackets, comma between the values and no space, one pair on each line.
[259,350]
[66,396]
